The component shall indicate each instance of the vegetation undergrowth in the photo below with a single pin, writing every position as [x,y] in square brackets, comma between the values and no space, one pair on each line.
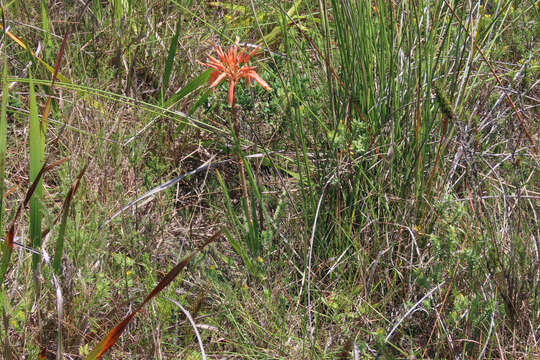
[375,198]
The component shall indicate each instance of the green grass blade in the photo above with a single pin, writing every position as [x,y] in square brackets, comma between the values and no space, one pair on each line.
[62,229]
[190,87]
[6,250]
[239,231]
[37,148]
[46,30]
[3,137]
[170,58]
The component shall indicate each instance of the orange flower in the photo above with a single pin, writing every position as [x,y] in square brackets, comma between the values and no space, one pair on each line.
[233,67]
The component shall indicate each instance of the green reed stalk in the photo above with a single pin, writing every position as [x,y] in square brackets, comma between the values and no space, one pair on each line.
[6,250]
[37,150]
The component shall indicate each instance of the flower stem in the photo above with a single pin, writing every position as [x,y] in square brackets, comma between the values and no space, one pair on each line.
[236,129]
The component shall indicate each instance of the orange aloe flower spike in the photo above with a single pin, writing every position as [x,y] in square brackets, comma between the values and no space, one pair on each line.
[232,66]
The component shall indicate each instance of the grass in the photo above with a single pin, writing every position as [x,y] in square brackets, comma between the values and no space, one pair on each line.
[388,206]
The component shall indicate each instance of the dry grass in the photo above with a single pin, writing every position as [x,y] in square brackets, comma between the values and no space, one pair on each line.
[410,257]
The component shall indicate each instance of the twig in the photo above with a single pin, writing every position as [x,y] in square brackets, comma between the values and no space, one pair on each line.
[412,309]
[208,165]
[310,252]
[188,316]
[59,304]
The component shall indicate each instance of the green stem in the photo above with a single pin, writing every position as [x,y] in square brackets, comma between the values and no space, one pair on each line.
[236,129]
